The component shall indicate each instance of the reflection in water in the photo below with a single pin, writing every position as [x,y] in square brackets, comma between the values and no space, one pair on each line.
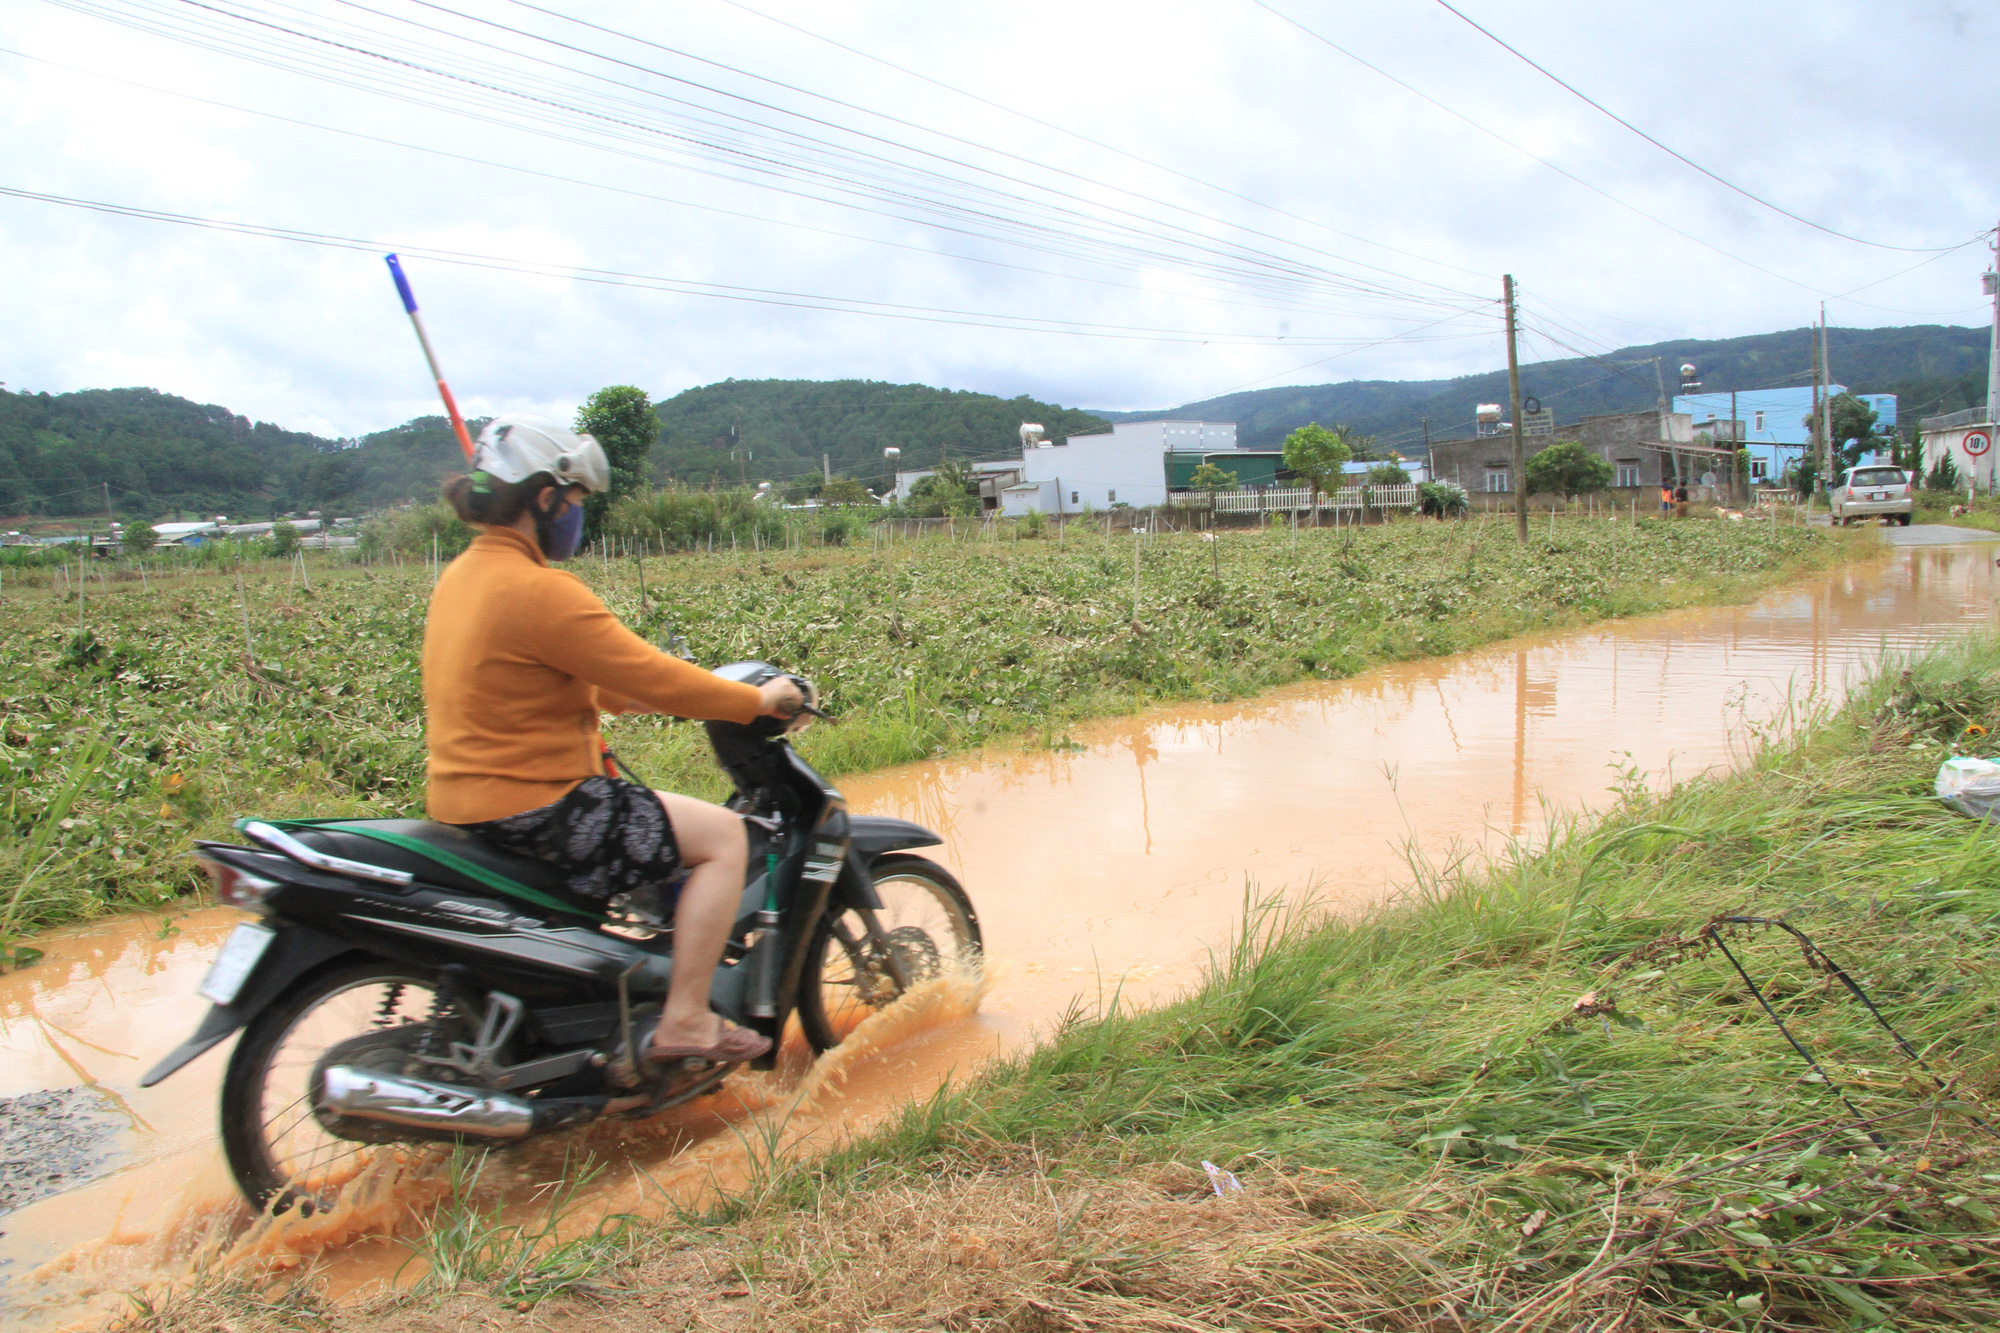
[1114,868]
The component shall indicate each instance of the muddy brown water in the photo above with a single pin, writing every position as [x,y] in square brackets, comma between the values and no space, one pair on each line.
[1114,867]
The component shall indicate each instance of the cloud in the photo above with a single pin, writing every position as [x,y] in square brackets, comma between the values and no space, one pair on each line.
[1875,123]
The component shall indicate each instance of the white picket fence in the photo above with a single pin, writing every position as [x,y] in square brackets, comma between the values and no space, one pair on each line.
[1287,499]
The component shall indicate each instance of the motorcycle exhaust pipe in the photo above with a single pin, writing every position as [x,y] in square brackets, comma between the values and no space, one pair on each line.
[415,1103]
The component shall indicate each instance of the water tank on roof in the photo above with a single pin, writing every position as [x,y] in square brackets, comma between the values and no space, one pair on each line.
[1032,434]
[1488,412]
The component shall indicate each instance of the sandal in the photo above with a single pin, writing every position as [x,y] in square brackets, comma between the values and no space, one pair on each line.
[735,1046]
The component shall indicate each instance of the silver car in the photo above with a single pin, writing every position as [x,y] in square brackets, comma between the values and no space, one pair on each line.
[1872,491]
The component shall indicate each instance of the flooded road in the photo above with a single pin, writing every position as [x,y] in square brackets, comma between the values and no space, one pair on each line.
[1115,866]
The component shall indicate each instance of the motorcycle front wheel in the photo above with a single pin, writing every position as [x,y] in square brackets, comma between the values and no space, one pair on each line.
[279,1154]
[927,923]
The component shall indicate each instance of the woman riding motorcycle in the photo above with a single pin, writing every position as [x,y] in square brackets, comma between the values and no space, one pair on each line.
[519,660]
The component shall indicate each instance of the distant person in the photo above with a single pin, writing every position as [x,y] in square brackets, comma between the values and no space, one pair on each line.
[1681,501]
[1666,497]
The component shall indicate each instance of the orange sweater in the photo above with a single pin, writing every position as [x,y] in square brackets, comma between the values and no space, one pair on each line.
[519,660]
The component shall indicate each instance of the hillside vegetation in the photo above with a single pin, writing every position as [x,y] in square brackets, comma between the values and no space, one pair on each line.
[1930,368]
[157,456]
[786,425]
[153,455]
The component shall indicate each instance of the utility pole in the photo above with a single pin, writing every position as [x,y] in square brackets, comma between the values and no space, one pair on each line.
[1737,451]
[1826,398]
[1666,442]
[1430,472]
[1992,279]
[1819,437]
[1520,477]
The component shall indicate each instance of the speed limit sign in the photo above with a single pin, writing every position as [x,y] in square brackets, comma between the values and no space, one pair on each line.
[1977,442]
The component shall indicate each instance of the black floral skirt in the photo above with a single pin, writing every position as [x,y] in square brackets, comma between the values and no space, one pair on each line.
[612,836]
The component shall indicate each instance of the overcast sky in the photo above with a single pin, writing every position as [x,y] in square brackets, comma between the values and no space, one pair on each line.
[1099,204]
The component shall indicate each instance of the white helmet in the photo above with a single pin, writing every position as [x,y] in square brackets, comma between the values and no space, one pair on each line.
[514,448]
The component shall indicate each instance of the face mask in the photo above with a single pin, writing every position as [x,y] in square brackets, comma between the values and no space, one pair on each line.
[559,535]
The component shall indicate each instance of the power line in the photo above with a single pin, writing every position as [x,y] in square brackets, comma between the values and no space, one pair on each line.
[1675,153]
[681,286]
[1190,239]
[1323,360]
[1286,270]
[1086,139]
[1532,156]
[895,120]
[638,194]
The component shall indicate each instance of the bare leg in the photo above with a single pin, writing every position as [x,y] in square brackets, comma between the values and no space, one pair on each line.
[715,849]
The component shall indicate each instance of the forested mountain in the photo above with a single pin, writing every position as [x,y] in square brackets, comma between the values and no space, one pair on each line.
[781,427]
[159,456]
[156,456]
[1930,368]
[163,457]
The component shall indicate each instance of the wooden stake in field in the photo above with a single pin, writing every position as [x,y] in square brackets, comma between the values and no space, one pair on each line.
[243,601]
[1135,578]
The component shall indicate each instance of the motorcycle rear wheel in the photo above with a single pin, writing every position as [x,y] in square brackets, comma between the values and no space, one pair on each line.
[929,922]
[277,1151]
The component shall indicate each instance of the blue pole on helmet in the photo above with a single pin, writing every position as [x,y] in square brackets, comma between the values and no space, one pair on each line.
[423,339]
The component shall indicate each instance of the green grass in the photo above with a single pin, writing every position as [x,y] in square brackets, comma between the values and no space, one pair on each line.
[1548,1096]
[1934,507]
[923,647]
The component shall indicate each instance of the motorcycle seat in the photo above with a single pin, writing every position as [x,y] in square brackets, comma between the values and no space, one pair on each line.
[442,855]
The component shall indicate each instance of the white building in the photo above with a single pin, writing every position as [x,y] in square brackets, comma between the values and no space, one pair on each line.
[1123,466]
[1967,438]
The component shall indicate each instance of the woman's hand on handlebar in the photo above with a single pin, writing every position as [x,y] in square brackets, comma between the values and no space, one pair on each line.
[782,697]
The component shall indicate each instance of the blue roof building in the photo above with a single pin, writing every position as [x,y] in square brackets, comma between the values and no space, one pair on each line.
[1773,425]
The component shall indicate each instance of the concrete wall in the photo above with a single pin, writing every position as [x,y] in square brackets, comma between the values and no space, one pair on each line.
[1983,470]
[1124,465]
[1098,471]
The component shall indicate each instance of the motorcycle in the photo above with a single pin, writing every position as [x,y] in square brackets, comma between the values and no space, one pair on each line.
[405,982]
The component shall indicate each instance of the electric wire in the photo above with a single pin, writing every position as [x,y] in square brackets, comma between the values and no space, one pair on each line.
[178,35]
[1197,242]
[1086,139]
[1675,153]
[679,286]
[897,120]
[1500,138]
[638,194]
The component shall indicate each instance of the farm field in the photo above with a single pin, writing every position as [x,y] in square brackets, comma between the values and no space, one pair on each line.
[158,710]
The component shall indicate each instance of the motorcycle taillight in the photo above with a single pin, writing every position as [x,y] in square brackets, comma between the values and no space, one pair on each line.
[237,888]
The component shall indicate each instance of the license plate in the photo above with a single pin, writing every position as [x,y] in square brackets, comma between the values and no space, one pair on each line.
[1879,495]
[238,959]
